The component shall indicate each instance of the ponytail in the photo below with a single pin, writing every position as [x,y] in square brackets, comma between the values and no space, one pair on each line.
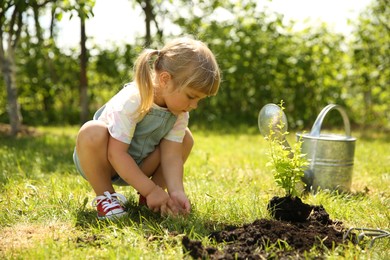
[143,79]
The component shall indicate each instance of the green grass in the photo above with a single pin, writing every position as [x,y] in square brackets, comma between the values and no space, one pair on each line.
[45,210]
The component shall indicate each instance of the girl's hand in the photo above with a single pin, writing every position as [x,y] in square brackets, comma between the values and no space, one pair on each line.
[179,203]
[157,200]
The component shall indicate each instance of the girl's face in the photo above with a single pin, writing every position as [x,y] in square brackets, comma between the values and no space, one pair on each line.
[182,100]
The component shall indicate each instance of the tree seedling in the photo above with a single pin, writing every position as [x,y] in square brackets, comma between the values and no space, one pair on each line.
[288,165]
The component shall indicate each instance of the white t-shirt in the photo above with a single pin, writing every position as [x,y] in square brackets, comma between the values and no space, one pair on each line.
[121,116]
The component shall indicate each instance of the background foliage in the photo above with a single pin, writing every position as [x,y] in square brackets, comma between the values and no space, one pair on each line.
[262,59]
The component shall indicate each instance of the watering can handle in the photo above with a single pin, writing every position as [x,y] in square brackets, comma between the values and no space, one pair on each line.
[316,129]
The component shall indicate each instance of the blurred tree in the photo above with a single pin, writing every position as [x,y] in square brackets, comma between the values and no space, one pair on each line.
[45,72]
[150,9]
[38,51]
[154,11]
[46,80]
[11,22]
[84,10]
[14,15]
[369,88]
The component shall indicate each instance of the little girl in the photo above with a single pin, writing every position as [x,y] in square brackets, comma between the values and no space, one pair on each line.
[140,136]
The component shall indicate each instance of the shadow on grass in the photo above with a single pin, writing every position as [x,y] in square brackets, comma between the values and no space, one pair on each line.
[34,156]
[150,223]
[341,194]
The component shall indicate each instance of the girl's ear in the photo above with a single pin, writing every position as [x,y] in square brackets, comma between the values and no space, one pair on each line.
[164,77]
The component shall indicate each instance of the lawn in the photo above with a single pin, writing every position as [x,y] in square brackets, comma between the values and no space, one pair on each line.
[45,210]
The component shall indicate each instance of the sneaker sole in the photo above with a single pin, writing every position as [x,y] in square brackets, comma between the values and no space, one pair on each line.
[112,217]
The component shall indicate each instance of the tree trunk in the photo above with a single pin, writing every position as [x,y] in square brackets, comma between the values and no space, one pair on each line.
[8,70]
[148,10]
[150,16]
[83,75]
[7,62]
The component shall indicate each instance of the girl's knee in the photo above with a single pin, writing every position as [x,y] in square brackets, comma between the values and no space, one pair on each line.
[92,133]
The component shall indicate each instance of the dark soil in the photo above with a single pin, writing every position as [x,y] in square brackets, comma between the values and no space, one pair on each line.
[255,240]
[289,209]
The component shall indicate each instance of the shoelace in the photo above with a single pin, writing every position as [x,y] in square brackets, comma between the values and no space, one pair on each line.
[109,200]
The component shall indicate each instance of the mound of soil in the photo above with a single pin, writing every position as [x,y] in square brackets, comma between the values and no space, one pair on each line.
[253,241]
[289,209]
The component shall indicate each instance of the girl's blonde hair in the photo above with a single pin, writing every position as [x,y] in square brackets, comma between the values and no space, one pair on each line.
[189,62]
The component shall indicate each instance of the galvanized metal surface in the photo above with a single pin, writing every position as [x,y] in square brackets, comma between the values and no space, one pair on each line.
[330,156]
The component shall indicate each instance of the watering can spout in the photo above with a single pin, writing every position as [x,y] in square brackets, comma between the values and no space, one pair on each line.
[270,118]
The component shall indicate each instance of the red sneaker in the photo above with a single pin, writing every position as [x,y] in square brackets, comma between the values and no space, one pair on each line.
[109,205]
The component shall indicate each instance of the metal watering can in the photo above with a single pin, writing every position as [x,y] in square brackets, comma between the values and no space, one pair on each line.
[330,156]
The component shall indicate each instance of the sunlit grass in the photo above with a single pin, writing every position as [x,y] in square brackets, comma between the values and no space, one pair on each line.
[45,210]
